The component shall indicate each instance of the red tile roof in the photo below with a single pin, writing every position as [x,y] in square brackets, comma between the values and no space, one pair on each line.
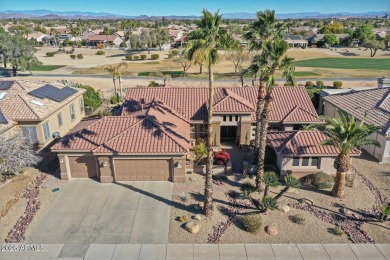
[299,143]
[156,129]
[192,102]
[103,38]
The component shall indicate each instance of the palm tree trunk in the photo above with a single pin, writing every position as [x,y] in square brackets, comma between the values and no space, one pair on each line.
[342,163]
[266,189]
[120,85]
[208,190]
[280,194]
[114,80]
[261,134]
[200,68]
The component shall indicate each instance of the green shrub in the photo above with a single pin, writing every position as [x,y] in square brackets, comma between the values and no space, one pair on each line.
[200,150]
[135,57]
[297,219]
[155,56]
[269,202]
[322,180]
[72,56]
[337,84]
[80,56]
[175,52]
[143,57]
[337,231]
[114,99]
[129,57]
[156,74]
[320,84]
[153,84]
[184,218]
[251,223]
[100,52]
[50,54]
[91,97]
[309,84]
[123,45]
[247,188]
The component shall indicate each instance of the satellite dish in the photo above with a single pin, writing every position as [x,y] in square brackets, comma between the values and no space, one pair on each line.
[56,135]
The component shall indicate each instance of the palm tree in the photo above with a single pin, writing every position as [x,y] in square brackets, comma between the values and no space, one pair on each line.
[346,134]
[208,38]
[265,28]
[54,33]
[116,71]
[270,179]
[291,182]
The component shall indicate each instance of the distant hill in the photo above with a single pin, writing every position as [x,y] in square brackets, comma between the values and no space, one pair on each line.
[48,14]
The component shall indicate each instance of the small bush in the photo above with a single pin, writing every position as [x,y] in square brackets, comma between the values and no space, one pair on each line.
[129,57]
[114,99]
[175,52]
[170,56]
[155,56]
[50,54]
[247,188]
[135,57]
[72,56]
[309,84]
[184,218]
[337,231]
[297,219]
[123,45]
[269,202]
[287,84]
[320,84]
[143,57]
[100,52]
[80,56]
[322,180]
[337,84]
[251,223]
[153,84]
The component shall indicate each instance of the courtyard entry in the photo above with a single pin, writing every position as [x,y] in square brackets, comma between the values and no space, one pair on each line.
[228,133]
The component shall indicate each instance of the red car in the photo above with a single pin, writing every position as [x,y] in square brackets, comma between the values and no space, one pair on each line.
[221,158]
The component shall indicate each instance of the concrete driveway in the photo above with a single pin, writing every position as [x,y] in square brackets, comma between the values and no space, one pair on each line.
[87,211]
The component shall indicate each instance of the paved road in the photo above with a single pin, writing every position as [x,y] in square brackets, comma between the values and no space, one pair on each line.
[87,211]
[204,251]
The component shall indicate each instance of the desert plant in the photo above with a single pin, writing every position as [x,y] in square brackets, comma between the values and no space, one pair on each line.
[155,56]
[200,151]
[337,84]
[247,188]
[135,57]
[322,180]
[251,223]
[72,56]
[320,84]
[184,218]
[114,99]
[268,203]
[142,57]
[170,56]
[153,84]
[50,54]
[309,84]
[175,52]
[80,56]
[129,57]
[385,212]
[270,179]
[123,45]
[100,52]
[291,182]
[297,219]
[337,231]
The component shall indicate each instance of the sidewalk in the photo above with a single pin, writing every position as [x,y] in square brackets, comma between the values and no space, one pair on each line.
[198,251]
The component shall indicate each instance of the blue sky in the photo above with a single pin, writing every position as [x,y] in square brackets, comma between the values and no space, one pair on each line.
[183,7]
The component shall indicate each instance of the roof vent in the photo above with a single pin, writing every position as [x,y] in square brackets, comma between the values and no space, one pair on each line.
[37,103]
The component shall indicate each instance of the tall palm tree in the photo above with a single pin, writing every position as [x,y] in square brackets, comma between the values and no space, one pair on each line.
[116,71]
[346,134]
[271,60]
[208,38]
[265,28]
[54,33]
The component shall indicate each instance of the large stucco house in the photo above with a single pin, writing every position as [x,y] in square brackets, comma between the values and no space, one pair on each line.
[374,106]
[37,110]
[152,137]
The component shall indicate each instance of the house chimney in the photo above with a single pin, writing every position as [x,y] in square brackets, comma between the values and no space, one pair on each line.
[384,82]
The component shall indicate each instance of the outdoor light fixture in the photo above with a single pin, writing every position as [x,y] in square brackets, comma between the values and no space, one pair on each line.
[61,160]
[104,163]
[178,165]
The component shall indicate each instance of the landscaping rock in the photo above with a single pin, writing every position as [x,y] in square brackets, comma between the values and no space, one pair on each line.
[192,227]
[271,230]
[284,208]
[306,201]
[345,211]
[197,217]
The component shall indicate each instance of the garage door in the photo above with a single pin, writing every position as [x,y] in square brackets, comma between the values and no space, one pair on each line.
[141,170]
[82,166]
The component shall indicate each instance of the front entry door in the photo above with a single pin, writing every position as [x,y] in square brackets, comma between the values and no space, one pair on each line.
[228,133]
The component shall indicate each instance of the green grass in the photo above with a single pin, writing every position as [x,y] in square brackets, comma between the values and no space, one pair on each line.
[46,67]
[305,74]
[174,74]
[346,63]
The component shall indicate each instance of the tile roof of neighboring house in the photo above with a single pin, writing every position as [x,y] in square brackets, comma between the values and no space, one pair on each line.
[5,123]
[192,102]
[156,129]
[300,143]
[104,38]
[300,115]
[373,104]
[18,105]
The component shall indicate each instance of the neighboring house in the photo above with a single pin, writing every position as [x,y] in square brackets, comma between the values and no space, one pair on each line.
[38,36]
[180,42]
[299,153]
[176,34]
[374,106]
[60,30]
[94,40]
[319,38]
[39,110]
[295,41]
[162,123]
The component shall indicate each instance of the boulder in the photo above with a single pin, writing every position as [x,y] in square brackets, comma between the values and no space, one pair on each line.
[345,211]
[271,230]
[197,217]
[284,208]
[192,227]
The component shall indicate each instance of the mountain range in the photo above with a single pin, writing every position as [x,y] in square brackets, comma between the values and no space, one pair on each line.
[48,14]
